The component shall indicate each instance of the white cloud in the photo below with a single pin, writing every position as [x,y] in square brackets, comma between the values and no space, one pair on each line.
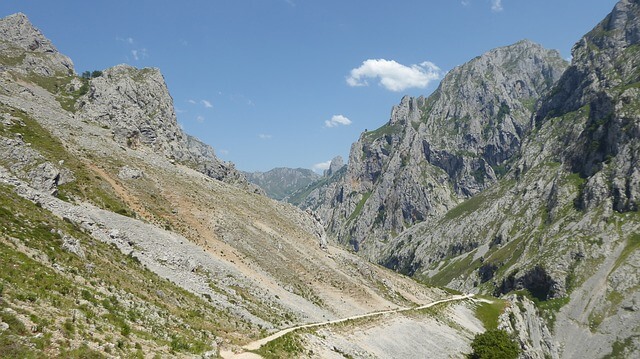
[337,120]
[394,76]
[264,136]
[464,2]
[193,102]
[496,5]
[223,152]
[206,103]
[128,40]
[139,54]
[319,167]
[199,119]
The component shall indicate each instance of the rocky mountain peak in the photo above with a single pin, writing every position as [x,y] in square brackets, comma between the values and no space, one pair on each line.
[336,164]
[598,94]
[136,105]
[435,151]
[18,30]
[19,39]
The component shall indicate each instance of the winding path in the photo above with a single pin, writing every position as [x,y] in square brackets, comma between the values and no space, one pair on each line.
[227,354]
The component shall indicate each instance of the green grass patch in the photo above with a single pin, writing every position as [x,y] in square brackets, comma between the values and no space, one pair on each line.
[383,131]
[11,61]
[619,348]
[54,297]
[469,206]
[454,269]
[494,344]
[488,313]
[632,245]
[356,212]
[287,346]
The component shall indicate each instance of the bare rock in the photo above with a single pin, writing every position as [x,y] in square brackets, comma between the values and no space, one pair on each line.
[127,172]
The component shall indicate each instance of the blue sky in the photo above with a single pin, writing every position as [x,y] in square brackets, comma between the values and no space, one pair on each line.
[293,83]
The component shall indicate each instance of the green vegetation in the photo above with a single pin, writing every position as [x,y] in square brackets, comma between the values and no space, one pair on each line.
[287,346]
[632,245]
[11,61]
[619,349]
[454,269]
[359,206]
[494,344]
[488,313]
[383,131]
[60,85]
[469,206]
[105,297]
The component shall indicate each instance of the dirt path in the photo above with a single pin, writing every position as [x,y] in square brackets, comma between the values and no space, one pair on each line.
[121,191]
[258,343]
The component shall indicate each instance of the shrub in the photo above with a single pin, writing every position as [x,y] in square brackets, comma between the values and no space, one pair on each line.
[494,344]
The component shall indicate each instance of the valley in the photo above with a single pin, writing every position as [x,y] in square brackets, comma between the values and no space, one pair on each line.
[506,201]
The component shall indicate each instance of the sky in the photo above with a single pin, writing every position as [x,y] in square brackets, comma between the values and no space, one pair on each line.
[293,83]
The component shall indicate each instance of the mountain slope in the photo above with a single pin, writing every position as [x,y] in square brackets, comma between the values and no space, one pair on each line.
[122,236]
[563,224]
[279,183]
[436,151]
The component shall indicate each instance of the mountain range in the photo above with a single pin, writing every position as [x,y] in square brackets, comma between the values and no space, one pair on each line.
[515,182]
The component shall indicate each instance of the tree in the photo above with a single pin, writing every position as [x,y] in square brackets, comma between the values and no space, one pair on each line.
[494,344]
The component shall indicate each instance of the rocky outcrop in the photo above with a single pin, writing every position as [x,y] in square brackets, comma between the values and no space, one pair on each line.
[562,224]
[136,105]
[334,166]
[27,50]
[601,89]
[435,151]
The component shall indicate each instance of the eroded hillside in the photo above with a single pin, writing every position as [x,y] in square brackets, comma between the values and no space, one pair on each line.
[123,236]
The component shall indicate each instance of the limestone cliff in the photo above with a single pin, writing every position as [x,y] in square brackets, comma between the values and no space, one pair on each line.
[136,105]
[436,151]
[562,225]
[26,50]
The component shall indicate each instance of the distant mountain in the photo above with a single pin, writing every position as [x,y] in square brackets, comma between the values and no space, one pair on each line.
[281,182]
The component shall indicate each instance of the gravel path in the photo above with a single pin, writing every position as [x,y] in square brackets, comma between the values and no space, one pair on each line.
[258,343]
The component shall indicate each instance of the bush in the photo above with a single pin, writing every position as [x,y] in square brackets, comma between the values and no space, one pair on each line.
[494,344]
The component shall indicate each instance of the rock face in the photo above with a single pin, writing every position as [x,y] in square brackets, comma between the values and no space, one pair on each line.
[336,164]
[136,105]
[435,151]
[601,85]
[562,224]
[29,49]
[281,182]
